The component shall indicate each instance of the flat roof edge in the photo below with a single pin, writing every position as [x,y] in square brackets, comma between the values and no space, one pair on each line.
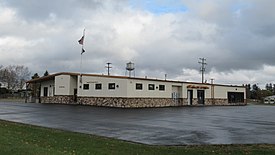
[51,77]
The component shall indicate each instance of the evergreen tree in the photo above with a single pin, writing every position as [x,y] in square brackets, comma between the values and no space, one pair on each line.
[46,73]
[255,87]
[248,91]
[268,86]
[35,76]
[256,92]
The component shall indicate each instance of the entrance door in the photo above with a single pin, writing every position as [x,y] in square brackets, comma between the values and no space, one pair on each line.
[45,91]
[176,94]
[190,96]
[75,95]
[200,96]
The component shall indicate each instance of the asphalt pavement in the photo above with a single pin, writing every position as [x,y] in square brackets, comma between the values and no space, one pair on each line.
[250,124]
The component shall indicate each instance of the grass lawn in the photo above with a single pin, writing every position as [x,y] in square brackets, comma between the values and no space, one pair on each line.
[12,100]
[18,138]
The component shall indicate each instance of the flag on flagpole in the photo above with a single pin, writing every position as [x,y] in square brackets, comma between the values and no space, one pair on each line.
[83,51]
[81,40]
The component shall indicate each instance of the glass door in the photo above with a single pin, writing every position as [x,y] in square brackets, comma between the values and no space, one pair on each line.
[201,96]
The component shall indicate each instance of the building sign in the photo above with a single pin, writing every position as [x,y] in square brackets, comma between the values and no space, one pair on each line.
[197,87]
[92,82]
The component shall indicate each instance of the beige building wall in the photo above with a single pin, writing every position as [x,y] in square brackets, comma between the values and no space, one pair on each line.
[119,91]
[73,84]
[145,92]
[221,91]
[126,87]
[205,87]
[63,85]
[50,86]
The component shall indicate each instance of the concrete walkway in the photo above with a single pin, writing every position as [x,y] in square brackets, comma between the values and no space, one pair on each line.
[160,126]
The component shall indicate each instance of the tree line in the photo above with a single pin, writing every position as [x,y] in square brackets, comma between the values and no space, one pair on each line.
[255,92]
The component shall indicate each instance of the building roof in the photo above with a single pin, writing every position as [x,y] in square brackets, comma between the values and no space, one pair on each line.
[52,76]
[273,96]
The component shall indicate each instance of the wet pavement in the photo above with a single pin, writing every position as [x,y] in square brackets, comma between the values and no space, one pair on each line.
[157,126]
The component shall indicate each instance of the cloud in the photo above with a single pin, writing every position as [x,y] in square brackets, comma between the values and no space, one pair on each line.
[233,77]
[42,10]
[236,37]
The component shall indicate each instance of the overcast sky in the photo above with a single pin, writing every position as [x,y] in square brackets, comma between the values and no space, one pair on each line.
[237,37]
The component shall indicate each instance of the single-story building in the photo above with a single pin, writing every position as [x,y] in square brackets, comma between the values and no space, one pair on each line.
[132,92]
[3,84]
[269,100]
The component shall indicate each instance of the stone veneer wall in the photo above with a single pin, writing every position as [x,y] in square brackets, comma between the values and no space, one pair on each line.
[57,99]
[221,102]
[132,102]
[212,102]
[128,102]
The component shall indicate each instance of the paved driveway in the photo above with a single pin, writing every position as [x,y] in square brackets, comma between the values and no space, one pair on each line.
[161,126]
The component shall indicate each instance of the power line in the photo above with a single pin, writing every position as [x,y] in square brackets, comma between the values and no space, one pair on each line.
[203,63]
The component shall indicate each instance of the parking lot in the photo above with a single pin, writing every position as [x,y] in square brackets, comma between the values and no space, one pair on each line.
[157,126]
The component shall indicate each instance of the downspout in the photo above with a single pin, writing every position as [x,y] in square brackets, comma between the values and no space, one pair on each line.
[212,92]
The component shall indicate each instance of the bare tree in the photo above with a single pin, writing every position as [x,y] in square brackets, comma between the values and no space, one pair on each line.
[1,74]
[15,76]
[8,77]
[22,75]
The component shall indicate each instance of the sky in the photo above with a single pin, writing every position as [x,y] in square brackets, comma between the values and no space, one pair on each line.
[237,38]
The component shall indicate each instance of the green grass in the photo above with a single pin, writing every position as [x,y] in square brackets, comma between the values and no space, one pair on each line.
[18,138]
[12,100]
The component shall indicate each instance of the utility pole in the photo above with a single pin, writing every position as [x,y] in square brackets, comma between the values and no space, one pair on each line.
[212,81]
[203,63]
[108,67]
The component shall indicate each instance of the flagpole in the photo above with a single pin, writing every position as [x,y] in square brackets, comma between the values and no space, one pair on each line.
[81,63]
[81,52]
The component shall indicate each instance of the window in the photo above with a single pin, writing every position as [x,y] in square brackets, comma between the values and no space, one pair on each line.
[86,86]
[235,97]
[151,86]
[112,86]
[138,86]
[98,86]
[161,87]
